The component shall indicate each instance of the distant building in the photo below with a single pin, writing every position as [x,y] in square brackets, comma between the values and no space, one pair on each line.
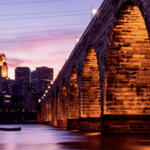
[43,85]
[34,86]
[32,103]
[25,91]
[22,74]
[34,76]
[40,80]
[8,86]
[45,75]
[3,66]
[10,92]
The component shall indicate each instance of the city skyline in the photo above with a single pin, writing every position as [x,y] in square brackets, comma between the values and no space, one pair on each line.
[67,20]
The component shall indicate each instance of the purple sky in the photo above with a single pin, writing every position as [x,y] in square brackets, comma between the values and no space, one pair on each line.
[51,24]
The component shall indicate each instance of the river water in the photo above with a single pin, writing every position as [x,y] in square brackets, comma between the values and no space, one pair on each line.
[42,137]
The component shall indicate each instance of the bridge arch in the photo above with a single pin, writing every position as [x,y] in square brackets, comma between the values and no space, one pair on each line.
[90,91]
[50,109]
[47,112]
[53,109]
[57,103]
[64,112]
[127,68]
[42,112]
[73,106]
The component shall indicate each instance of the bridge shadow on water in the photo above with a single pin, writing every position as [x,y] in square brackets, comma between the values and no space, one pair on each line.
[111,142]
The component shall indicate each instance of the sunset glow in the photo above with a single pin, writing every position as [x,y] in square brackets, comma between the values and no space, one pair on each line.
[42,36]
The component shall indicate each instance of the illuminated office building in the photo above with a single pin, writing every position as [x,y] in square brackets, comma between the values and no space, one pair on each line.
[3,66]
[34,86]
[10,90]
[45,75]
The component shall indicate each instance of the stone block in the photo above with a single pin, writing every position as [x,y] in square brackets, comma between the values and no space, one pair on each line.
[73,124]
[62,123]
[147,56]
[139,56]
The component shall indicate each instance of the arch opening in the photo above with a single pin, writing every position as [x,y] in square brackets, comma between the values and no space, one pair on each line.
[64,102]
[73,110]
[57,105]
[127,79]
[91,92]
[50,110]
[45,112]
[47,115]
[42,113]
[53,110]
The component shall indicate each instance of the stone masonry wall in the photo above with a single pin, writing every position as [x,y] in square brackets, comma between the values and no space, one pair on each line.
[127,124]
[128,64]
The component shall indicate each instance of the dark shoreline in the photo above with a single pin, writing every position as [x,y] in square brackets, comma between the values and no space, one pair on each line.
[10,123]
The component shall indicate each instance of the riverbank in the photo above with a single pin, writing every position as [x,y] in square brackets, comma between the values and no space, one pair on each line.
[17,118]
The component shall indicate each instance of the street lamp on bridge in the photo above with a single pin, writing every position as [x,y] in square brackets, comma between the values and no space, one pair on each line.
[76,40]
[66,58]
[93,12]
[39,100]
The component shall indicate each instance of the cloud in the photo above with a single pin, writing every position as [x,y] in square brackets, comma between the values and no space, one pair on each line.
[50,53]
[33,40]
[14,61]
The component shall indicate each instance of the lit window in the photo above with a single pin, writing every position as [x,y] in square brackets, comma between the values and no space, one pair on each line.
[7,101]
[8,96]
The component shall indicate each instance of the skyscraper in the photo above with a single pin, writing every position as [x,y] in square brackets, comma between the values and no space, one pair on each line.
[3,66]
[34,76]
[22,74]
[34,86]
[45,75]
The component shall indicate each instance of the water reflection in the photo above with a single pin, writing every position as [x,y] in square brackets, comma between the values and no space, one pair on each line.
[40,137]
[35,137]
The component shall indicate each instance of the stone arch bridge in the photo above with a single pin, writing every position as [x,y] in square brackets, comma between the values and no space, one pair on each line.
[105,83]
